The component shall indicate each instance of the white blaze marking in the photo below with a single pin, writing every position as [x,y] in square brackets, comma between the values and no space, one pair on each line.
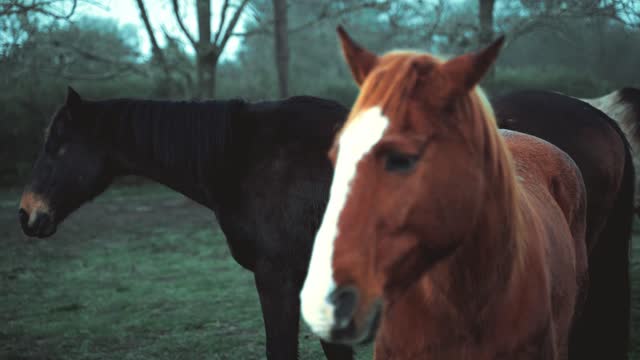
[355,142]
[32,218]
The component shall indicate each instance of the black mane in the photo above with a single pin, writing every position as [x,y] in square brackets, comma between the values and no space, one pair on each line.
[169,133]
[194,147]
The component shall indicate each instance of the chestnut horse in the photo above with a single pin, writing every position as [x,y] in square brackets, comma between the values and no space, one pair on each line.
[460,241]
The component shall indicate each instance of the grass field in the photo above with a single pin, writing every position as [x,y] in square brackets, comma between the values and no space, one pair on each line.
[141,273]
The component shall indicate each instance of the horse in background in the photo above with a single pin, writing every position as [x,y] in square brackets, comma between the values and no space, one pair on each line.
[598,146]
[260,167]
[623,106]
[457,241]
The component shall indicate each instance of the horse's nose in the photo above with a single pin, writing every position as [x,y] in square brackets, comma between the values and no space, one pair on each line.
[38,224]
[345,300]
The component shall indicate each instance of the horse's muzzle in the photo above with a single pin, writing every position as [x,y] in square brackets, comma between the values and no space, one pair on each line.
[346,330]
[37,224]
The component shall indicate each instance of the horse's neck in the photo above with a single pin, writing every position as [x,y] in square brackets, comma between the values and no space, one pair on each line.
[173,144]
[456,304]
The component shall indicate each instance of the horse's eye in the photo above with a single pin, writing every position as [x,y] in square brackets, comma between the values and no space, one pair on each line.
[399,162]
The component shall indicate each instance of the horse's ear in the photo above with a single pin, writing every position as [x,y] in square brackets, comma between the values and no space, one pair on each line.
[359,59]
[73,98]
[467,70]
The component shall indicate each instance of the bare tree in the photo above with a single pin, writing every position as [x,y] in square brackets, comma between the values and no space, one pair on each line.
[551,14]
[330,10]
[281,37]
[209,45]
[49,8]
[278,25]
[155,48]
[36,26]
[208,48]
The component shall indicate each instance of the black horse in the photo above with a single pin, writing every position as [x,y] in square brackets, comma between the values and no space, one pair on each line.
[262,168]
[623,106]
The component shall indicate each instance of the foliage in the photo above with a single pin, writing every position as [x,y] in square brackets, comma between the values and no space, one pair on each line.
[94,55]
[548,48]
[552,78]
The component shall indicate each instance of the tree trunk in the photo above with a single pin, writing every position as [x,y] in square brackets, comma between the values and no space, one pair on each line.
[167,84]
[281,38]
[203,8]
[206,61]
[206,71]
[485,34]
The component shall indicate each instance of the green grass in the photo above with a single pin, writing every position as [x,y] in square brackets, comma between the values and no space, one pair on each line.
[141,273]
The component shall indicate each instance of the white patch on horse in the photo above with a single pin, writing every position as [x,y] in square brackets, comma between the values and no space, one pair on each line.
[355,142]
[622,112]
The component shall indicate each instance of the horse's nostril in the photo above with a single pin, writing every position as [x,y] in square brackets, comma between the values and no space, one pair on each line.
[42,221]
[344,300]
[23,216]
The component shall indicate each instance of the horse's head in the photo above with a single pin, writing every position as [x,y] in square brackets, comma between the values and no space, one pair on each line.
[70,170]
[407,187]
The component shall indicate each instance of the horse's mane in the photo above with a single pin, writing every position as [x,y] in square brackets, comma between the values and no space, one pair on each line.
[387,85]
[167,132]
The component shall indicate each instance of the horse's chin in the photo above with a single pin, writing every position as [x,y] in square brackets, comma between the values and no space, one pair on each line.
[48,232]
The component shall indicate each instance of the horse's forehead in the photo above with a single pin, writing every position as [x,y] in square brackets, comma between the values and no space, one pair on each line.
[382,104]
[371,119]
[362,133]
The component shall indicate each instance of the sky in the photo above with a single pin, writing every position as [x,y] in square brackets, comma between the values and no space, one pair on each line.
[160,14]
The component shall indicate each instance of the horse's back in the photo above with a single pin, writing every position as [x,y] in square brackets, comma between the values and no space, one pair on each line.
[588,136]
[541,164]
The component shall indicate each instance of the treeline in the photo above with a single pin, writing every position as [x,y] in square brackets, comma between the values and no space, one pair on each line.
[567,46]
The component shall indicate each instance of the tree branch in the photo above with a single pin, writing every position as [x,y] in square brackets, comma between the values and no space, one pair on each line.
[232,25]
[322,15]
[176,12]
[98,58]
[223,17]
[157,51]
[93,77]
[550,17]
[16,7]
